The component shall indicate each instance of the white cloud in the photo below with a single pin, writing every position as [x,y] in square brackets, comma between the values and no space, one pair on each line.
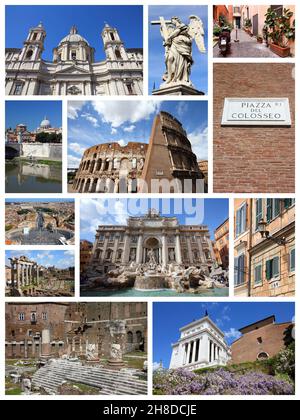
[199,141]
[129,129]
[122,143]
[95,212]
[156,365]
[232,334]
[73,162]
[182,108]
[74,108]
[114,131]
[90,118]
[77,148]
[118,113]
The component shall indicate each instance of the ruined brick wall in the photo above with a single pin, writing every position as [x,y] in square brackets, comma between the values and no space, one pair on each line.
[248,347]
[253,159]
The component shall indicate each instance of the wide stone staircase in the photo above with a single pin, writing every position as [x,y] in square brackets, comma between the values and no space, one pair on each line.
[110,382]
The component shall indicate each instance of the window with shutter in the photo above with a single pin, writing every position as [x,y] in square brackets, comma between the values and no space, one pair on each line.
[292,260]
[269,209]
[257,274]
[236,271]
[275,267]
[269,269]
[259,212]
[276,207]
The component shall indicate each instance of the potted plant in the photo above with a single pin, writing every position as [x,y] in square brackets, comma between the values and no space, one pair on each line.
[248,26]
[280,31]
[259,39]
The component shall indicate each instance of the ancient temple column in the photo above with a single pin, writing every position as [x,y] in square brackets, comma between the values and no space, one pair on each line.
[185,354]
[178,250]
[22,275]
[139,252]
[37,275]
[18,275]
[46,347]
[27,274]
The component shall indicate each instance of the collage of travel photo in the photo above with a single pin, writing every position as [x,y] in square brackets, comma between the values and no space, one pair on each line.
[148,201]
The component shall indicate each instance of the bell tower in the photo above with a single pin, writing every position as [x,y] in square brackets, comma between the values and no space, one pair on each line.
[113,45]
[34,44]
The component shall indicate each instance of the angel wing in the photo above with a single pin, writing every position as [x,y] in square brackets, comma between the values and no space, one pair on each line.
[196,31]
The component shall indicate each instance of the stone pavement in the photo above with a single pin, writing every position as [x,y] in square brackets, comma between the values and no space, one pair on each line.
[247,47]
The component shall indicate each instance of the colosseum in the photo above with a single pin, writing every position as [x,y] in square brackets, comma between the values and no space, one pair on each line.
[166,164]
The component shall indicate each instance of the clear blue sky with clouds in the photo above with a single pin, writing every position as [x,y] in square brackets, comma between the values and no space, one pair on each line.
[168,318]
[95,212]
[199,72]
[90,20]
[97,122]
[31,113]
[60,259]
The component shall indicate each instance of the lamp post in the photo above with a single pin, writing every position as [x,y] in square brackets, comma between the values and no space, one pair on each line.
[262,228]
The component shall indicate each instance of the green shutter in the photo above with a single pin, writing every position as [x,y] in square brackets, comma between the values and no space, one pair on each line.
[269,209]
[292,260]
[269,269]
[236,270]
[259,214]
[257,274]
[287,203]
[276,207]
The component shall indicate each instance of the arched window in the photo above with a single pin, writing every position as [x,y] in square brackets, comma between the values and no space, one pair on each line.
[118,54]
[262,356]
[129,337]
[29,55]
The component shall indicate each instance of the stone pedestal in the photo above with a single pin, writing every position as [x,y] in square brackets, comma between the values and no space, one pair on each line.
[116,357]
[178,90]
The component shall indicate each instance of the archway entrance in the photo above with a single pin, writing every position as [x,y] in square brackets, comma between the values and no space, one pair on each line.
[152,249]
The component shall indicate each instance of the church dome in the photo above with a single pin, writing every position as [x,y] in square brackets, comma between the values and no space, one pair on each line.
[45,123]
[73,36]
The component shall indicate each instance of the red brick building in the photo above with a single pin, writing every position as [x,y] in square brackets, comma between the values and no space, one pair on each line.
[259,341]
[250,159]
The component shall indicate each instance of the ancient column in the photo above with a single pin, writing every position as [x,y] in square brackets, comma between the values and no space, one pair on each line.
[27,277]
[139,253]
[37,275]
[126,250]
[164,251]
[46,347]
[18,274]
[22,274]
[178,249]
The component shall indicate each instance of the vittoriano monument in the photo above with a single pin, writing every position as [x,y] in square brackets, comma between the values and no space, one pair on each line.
[178,41]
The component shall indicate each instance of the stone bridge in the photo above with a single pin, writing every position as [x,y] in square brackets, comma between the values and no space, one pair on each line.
[12,150]
[51,151]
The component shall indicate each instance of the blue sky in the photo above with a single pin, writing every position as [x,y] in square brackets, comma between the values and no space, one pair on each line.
[58,20]
[229,317]
[39,200]
[156,49]
[31,113]
[60,259]
[94,212]
[96,122]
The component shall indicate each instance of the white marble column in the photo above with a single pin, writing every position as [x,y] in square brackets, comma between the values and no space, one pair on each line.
[164,251]
[194,351]
[188,353]
[178,250]
[139,253]
[126,252]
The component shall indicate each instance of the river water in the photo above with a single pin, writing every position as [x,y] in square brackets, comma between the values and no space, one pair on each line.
[32,177]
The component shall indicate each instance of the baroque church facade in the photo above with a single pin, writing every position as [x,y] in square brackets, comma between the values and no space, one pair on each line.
[73,70]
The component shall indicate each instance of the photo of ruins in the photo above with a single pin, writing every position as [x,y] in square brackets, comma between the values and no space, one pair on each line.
[39,222]
[39,273]
[76,348]
[137,147]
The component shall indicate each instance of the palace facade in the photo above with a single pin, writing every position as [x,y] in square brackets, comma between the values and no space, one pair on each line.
[73,70]
[264,267]
[169,242]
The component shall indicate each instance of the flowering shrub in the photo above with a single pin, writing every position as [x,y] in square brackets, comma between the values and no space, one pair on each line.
[285,362]
[219,382]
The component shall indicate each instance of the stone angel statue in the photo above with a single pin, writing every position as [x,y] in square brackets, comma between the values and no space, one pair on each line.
[178,39]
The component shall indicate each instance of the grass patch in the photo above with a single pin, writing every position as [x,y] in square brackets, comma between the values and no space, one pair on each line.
[134,363]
